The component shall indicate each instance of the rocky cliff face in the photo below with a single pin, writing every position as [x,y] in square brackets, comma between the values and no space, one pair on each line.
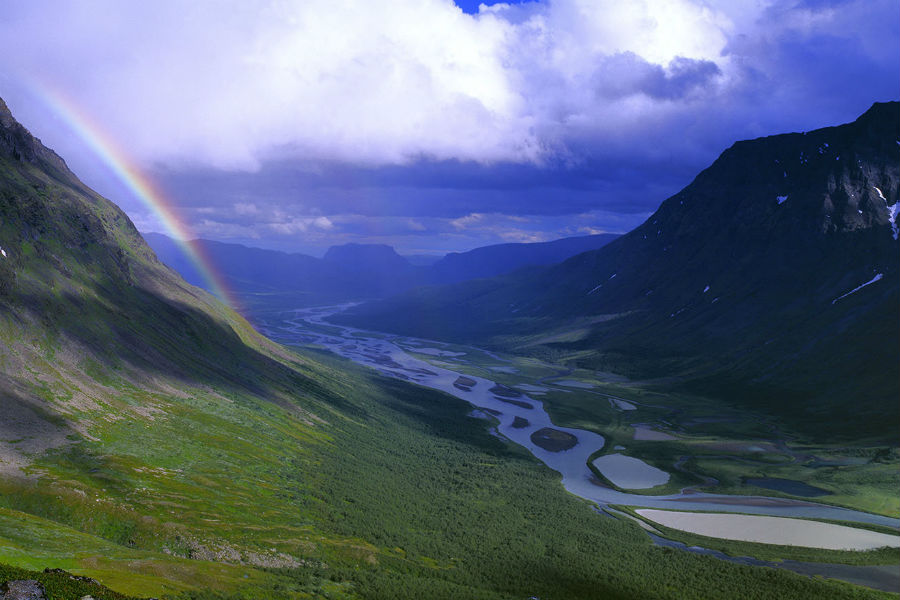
[817,207]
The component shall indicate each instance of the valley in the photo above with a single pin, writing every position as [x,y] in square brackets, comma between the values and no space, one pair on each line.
[157,440]
[723,292]
[512,393]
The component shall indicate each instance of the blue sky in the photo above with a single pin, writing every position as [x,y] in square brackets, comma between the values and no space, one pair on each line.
[429,125]
[471,6]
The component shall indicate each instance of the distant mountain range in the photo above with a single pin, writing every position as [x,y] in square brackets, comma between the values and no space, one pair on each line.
[269,279]
[771,280]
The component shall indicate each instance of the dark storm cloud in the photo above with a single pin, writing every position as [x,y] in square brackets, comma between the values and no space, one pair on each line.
[447,189]
[627,74]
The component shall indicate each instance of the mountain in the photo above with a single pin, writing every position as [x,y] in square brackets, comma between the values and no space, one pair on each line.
[268,275]
[771,280]
[498,259]
[378,267]
[366,256]
[422,260]
[152,440]
[271,280]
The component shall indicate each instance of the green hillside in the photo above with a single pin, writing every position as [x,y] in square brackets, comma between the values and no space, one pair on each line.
[151,440]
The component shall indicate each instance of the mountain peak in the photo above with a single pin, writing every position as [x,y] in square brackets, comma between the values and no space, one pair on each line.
[6,118]
[881,111]
[829,180]
[18,143]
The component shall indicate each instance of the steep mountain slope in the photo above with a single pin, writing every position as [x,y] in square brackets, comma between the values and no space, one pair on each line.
[152,440]
[740,285]
[270,280]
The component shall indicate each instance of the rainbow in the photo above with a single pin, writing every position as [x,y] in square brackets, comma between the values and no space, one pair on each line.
[116,159]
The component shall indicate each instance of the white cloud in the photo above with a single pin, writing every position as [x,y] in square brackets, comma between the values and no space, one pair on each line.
[301,225]
[246,208]
[230,84]
[468,221]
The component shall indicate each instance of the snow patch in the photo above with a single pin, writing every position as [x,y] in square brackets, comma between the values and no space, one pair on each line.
[595,289]
[706,289]
[859,287]
[613,275]
[781,199]
[2,251]
[892,209]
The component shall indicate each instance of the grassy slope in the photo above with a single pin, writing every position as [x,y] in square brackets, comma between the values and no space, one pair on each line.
[405,497]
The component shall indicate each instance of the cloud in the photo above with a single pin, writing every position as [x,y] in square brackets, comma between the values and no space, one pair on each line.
[235,84]
[311,234]
[246,208]
[307,121]
[467,221]
[626,74]
[301,225]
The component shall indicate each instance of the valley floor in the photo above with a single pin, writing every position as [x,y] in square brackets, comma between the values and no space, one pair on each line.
[368,487]
[518,389]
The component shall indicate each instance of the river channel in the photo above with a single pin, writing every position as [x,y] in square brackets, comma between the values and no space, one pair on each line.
[521,416]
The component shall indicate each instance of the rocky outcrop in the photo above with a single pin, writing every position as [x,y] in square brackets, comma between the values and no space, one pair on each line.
[22,589]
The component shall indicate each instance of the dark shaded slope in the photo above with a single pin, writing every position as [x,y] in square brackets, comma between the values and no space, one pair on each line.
[732,285]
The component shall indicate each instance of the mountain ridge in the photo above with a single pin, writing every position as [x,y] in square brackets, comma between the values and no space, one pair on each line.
[354,271]
[748,256]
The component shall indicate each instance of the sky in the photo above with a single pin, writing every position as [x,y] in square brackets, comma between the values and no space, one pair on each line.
[430,125]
